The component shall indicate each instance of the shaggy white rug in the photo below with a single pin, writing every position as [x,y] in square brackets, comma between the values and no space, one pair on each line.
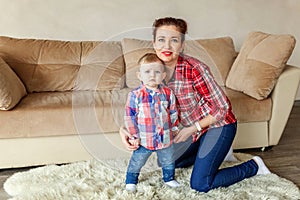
[105,180]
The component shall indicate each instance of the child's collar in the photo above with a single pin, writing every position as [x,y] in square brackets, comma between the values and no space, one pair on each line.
[149,90]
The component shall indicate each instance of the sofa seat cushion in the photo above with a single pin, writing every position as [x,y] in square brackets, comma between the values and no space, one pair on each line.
[62,113]
[248,109]
[89,112]
[257,111]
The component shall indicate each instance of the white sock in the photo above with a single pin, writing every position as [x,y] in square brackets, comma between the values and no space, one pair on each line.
[262,168]
[230,157]
[173,184]
[131,187]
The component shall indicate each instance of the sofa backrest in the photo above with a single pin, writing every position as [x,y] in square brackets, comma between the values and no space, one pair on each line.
[52,65]
[218,53]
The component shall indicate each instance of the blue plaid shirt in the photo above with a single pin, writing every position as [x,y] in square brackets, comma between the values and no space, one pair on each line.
[152,116]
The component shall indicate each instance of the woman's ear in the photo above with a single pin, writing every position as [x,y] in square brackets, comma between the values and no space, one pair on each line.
[182,47]
[153,44]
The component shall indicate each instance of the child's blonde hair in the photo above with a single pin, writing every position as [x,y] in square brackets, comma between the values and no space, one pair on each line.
[150,58]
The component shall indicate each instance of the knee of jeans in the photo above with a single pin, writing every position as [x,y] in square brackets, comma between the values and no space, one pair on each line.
[200,186]
[170,167]
[166,161]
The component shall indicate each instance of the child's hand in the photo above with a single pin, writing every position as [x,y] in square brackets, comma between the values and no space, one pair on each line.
[134,141]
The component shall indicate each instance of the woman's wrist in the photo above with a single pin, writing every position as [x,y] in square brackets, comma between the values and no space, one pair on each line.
[197,124]
[194,128]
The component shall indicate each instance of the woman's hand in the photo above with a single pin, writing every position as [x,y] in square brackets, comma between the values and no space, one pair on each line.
[185,133]
[125,135]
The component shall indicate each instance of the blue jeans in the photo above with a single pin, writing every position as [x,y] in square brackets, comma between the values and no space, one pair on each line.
[207,154]
[141,155]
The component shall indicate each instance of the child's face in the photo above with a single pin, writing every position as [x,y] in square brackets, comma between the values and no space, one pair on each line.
[151,74]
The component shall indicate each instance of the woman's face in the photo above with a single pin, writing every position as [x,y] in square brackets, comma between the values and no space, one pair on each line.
[168,44]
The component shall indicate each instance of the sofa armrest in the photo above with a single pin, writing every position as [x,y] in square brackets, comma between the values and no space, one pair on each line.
[283,97]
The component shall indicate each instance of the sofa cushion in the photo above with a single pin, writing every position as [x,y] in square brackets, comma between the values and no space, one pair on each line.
[87,112]
[217,53]
[62,113]
[42,65]
[52,65]
[259,63]
[133,50]
[257,111]
[102,66]
[247,109]
[11,87]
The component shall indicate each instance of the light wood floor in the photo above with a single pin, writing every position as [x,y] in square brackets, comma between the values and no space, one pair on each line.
[283,159]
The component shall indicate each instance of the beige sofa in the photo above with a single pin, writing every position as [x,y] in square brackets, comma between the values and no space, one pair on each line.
[63,101]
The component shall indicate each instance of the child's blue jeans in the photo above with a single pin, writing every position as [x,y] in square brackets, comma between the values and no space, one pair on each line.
[141,155]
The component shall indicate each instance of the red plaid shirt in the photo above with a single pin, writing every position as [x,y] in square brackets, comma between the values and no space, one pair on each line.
[198,94]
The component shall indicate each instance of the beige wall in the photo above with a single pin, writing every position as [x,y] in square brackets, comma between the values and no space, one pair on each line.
[111,19]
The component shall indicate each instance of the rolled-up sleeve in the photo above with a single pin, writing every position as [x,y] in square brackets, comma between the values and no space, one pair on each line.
[215,99]
[173,112]
[130,117]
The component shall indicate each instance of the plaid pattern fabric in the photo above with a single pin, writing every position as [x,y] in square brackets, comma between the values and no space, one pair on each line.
[198,94]
[152,116]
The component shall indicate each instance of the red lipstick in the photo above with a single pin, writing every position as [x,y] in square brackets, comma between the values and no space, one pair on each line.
[167,53]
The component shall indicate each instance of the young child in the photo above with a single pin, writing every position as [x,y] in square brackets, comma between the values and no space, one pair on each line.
[151,118]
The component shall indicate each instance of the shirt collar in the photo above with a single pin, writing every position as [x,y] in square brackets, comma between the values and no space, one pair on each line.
[158,90]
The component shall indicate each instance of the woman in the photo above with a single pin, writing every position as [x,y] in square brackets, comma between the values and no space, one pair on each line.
[205,113]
